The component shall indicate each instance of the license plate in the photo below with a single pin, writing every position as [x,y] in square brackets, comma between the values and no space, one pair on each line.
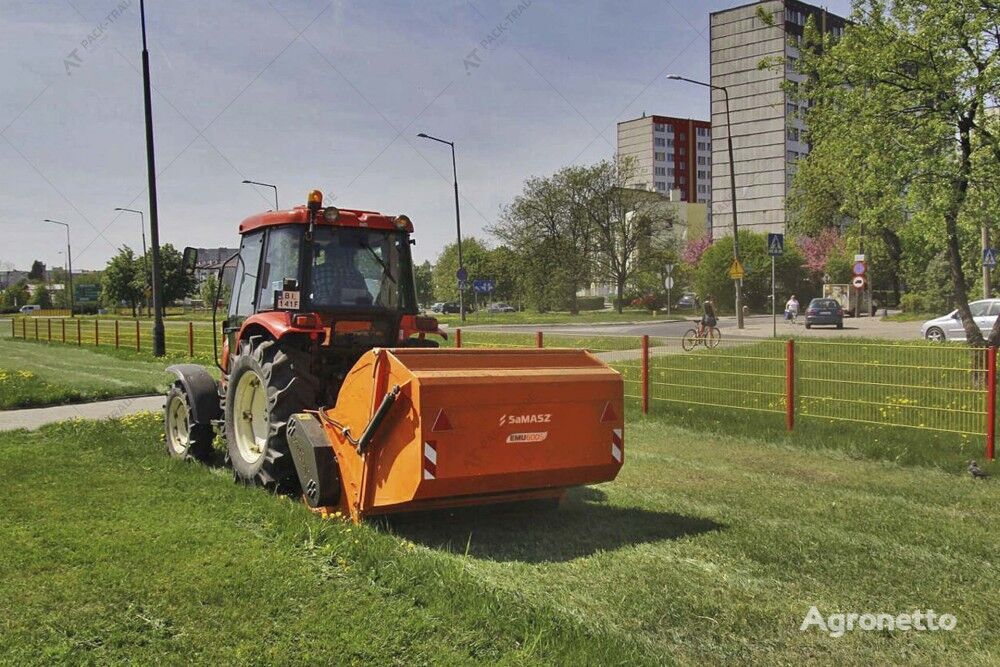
[825,312]
[288,300]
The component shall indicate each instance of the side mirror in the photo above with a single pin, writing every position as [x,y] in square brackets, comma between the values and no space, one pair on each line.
[190,261]
[956,316]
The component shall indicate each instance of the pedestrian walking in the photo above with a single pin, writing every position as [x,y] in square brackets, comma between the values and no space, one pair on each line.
[792,309]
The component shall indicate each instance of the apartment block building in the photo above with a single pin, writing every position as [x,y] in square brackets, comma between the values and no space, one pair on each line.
[670,154]
[768,131]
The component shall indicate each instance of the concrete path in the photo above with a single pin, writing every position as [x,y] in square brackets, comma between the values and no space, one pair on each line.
[33,418]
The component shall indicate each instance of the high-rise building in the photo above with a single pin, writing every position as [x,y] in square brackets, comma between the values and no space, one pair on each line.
[767,126]
[670,154]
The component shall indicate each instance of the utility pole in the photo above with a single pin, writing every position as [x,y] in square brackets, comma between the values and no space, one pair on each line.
[69,262]
[987,287]
[159,344]
[458,220]
[266,185]
[732,186]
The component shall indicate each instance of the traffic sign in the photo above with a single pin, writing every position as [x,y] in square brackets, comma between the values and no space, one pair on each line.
[775,244]
[860,268]
[669,268]
[736,270]
[989,257]
[859,282]
[462,274]
[859,258]
[482,286]
[668,282]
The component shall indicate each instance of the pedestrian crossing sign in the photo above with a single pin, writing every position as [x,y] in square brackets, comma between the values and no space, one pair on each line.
[989,257]
[736,270]
[775,244]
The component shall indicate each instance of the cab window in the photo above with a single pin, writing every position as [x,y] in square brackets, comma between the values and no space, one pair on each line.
[245,280]
[281,263]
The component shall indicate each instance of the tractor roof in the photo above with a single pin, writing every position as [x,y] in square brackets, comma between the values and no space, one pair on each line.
[347,218]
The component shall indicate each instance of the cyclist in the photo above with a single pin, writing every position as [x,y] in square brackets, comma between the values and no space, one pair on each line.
[792,309]
[709,319]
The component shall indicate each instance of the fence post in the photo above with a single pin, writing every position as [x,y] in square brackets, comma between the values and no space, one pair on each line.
[991,401]
[458,337]
[117,335]
[191,339]
[79,332]
[137,336]
[790,384]
[24,328]
[645,375]
[539,341]
[50,329]
[97,333]
[63,320]
[13,328]
[36,329]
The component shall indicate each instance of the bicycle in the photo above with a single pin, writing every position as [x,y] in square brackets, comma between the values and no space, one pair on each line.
[710,338]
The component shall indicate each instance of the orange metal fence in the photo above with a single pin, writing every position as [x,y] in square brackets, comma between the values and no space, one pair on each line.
[919,386]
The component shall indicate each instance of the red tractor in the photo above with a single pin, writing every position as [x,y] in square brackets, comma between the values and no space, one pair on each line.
[325,388]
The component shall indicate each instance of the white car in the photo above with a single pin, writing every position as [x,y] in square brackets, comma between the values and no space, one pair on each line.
[949,327]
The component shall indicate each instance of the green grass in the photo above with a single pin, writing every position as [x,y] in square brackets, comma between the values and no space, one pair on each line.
[910,317]
[707,549]
[35,374]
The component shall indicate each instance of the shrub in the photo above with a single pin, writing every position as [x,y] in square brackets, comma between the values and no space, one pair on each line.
[590,303]
[912,302]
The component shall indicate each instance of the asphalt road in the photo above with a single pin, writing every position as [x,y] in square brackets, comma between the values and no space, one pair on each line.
[756,326]
[33,418]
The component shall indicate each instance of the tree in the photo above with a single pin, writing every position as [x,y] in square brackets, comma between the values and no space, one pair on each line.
[16,295]
[209,291]
[899,125]
[177,283]
[475,257]
[37,271]
[631,227]
[546,227]
[122,280]
[42,297]
[423,279]
[711,277]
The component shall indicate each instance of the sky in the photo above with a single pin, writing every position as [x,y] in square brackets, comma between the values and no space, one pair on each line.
[313,94]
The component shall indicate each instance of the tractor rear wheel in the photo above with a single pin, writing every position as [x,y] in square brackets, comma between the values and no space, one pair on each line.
[268,383]
[184,438]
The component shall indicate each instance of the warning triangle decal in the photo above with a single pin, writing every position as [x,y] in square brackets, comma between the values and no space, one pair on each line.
[441,422]
[609,414]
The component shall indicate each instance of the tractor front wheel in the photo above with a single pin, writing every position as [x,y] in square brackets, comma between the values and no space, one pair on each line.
[185,438]
[268,383]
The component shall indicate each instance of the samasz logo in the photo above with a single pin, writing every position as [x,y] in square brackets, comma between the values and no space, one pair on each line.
[542,418]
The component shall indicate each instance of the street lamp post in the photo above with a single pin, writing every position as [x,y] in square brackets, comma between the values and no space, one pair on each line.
[266,185]
[159,343]
[458,218]
[69,262]
[145,262]
[732,186]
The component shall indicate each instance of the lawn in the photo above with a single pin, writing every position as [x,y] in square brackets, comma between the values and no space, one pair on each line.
[532,317]
[33,374]
[707,549]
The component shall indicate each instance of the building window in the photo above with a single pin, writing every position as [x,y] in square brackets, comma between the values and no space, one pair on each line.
[702,189]
[701,160]
[703,146]
[683,150]
[660,185]
[682,166]
[658,127]
[659,141]
[702,132]
[793,134]
[661,171]
[670,171]
[670,142]
[659,157]
[710,160]
[702,174]
[682,180]
[670,157]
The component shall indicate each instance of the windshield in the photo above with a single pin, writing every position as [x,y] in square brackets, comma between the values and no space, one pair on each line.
[360,268]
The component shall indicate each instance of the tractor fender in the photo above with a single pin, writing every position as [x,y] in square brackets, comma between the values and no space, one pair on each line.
[200,387]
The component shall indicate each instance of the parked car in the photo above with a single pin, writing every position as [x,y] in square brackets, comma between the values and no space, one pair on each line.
[30,308]
[500,307]
[825,311]
[949,327]
[687,302]
[437,307]
[452,308]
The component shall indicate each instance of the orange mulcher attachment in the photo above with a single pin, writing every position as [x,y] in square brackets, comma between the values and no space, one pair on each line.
[422,428]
